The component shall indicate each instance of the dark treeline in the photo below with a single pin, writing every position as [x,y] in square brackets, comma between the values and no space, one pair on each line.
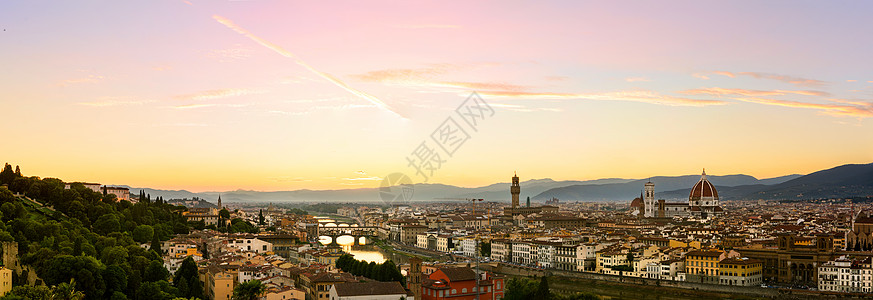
[386,271]
[520,288]
[86,240]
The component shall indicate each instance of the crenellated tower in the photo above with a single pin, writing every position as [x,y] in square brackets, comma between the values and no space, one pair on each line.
[515,190]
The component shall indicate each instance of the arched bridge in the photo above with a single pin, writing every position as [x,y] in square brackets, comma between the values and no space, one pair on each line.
[355,232]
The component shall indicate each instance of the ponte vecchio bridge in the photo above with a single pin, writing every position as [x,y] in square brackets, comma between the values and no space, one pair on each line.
[356,232]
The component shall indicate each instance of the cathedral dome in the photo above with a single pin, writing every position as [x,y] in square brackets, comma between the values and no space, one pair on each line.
[637,203]
[703,189]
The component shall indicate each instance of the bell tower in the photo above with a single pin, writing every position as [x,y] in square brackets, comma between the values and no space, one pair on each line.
[414,279]
[515,190]
[649,201]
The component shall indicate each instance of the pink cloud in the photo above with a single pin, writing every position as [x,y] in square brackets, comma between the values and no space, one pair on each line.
[643,96]
[858,109]
[637,79]
[216,94]
[784,78]
[716,91]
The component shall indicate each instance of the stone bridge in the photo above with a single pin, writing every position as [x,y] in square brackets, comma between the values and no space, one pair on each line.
[355,232]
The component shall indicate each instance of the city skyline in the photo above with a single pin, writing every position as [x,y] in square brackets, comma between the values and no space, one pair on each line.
[258,95]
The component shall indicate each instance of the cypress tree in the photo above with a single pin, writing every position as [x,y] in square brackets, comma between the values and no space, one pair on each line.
[543,289]
[156,244]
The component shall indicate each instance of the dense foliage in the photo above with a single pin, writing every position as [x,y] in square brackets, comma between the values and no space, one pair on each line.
[485,250]
[386,271]
[249,290]
[89,237]
[520,288]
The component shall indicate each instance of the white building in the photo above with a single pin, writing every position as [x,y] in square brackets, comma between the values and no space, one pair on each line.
[501,250]
[121,193]
[586,256]
[521,253]
[469,246]
[845,275]
[421,241]
[670,269]
[250,243]
[545,253]
[444,243]
[653,270]
[96,187]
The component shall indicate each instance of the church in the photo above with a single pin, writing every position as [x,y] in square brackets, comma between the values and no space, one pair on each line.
[702,203]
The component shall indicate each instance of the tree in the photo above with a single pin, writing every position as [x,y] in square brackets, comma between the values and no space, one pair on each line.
[7,175]
[116,279]
[260,217]
[520,289]
[371,270]
[485,249]
[195,288]
[67,291]
[107,223]
[156,244]
[160,290]
[250,290]
[156,271]
[27,292]
[543,289]
[185,276]
[77,246]
[630,258]
[143,233]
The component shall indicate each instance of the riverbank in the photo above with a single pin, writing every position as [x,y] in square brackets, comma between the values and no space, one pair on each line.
[396,249]
[617,290]
[620,287]
[337,218]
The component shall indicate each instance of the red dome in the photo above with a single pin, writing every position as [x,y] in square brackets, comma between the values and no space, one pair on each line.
[702,189]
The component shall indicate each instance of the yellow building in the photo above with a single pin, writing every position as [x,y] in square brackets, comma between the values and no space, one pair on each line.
[5,280]
[318,285]
[219,284]
[702,266]
[740,271]
[605,260]
[680,244]
[284,293]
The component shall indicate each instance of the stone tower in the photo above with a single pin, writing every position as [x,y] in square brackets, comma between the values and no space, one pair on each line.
[10,256]
[650,208]
[219,202]
[515,189]
[414,279]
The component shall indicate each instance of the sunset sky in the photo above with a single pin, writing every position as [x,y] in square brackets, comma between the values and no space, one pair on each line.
[280,95]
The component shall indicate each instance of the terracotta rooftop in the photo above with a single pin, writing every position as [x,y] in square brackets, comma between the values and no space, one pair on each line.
[348,289]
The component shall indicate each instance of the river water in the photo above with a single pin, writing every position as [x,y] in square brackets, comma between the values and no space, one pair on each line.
[368,253]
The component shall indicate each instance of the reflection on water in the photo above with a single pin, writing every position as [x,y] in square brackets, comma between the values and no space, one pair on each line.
[345,240]
[368,256]
[364,252]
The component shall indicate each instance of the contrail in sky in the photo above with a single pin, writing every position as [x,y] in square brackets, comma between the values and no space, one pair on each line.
[287,54]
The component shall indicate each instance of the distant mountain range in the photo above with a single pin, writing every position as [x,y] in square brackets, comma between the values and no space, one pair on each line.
[838,182]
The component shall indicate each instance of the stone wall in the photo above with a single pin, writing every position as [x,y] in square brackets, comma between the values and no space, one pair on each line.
[10,261]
